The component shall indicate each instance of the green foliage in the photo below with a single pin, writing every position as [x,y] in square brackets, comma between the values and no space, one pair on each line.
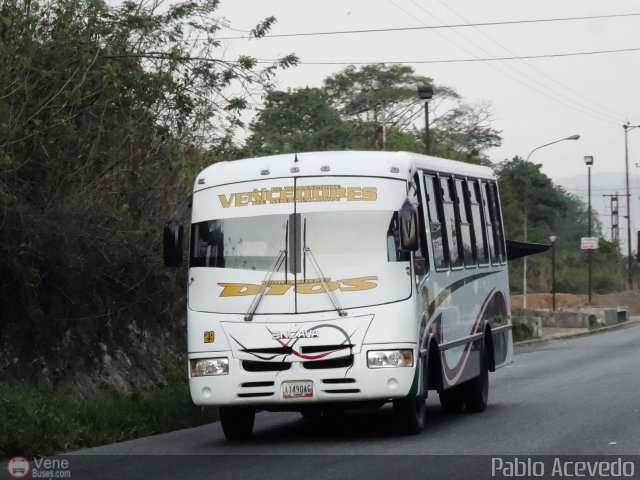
[520,331]
[372,94]
[349,114]
[549,209]
[527,193]
[106,113]
[357,91]
[297,121]
[397,140]
[40,420]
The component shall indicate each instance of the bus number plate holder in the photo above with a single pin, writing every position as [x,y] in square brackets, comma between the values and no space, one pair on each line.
[300,389]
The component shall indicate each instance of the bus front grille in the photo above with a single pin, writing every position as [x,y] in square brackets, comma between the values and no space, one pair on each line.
[255,366]
[254,395]
[342,362]
[334,392]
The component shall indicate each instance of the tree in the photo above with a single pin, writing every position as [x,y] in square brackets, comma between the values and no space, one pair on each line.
[528,193]
[530,198]
[296,121]
[373,94]
[375,91]
[105,114]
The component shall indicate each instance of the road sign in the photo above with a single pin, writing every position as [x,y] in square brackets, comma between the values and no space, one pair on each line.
[589,243]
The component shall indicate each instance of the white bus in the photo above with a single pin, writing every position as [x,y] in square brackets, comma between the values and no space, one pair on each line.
[326,281]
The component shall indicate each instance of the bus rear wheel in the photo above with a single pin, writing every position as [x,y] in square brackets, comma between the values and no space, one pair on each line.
[237,422]
[476,393]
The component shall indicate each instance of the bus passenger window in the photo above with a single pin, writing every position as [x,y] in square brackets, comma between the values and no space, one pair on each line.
[489,225]
[465,225]
[394,252]
[435,224]
[448,205]
[480,234]
[497,222]
[494,229]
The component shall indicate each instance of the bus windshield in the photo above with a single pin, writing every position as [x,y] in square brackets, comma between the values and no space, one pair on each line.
[338,239]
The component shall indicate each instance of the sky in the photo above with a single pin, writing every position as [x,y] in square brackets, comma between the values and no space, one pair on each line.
[533,101]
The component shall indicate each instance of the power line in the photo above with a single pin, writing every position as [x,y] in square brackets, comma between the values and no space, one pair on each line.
[599,189]
[571,90]
[527,80]
[502,68]
[436,27]
[478,59]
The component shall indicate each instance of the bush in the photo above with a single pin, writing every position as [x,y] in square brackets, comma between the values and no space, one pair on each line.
[38,419]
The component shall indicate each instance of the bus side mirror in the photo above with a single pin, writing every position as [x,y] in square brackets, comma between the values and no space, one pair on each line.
[408,216]
[172,244]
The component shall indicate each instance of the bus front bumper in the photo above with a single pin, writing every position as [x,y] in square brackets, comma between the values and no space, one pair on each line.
[354,383]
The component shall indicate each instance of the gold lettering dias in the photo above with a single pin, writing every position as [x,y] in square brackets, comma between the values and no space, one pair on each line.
[308,193]
[280,287]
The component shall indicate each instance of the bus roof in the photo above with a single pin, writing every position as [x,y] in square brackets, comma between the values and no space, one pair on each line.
[400,165]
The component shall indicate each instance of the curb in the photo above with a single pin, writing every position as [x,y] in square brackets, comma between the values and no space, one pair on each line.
[534,341]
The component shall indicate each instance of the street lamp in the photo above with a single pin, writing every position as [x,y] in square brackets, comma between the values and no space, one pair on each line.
[572,137]
[425,92]
[553,239]
[628,127]
[588,161]
[524,266]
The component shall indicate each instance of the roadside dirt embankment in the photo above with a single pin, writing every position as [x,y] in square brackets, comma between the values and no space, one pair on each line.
[628,298]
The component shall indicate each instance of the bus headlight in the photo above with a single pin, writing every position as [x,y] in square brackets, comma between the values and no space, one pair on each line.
[389,358]
[201,367]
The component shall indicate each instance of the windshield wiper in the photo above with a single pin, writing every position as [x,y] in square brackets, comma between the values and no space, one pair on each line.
[282,258]
[265,283]
[332,296]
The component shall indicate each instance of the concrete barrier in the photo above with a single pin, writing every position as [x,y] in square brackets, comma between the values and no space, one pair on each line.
[588,317]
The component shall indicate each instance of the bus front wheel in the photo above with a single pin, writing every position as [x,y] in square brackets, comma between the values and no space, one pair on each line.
[411,411]
[237,422]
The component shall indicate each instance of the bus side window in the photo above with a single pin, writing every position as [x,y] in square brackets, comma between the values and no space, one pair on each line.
[421,256]
[489,225]
[435,224]
[393,240]
[449,220]
[497,221]
[480,234]
[493,226]
[465,225]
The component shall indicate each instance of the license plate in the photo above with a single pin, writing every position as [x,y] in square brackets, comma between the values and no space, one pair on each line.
[297,389]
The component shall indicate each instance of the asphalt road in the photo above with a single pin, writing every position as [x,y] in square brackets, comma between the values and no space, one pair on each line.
[578,396]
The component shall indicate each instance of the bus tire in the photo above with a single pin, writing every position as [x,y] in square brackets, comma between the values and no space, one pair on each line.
[411,411]
[452,400]
[237,422]
[476,392]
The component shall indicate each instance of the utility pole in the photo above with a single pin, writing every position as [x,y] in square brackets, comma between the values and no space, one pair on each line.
[588,160]
[425,92]
[626,128]
[615,225]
